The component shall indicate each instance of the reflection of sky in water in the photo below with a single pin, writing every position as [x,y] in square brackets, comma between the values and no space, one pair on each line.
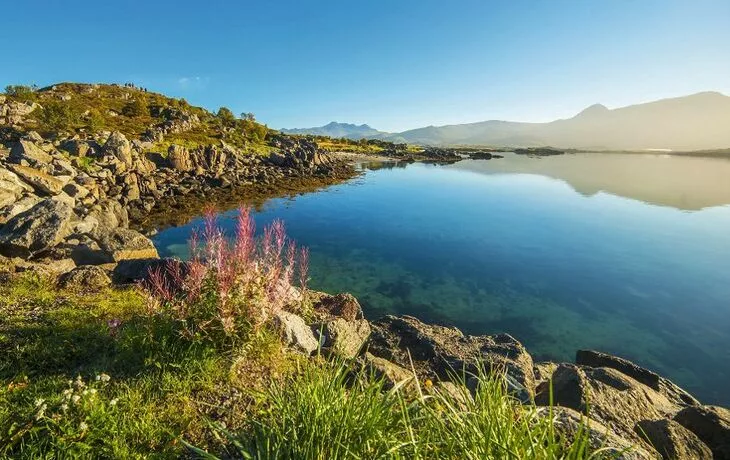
[527,255]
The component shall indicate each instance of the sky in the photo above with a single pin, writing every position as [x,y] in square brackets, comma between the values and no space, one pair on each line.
[395,65]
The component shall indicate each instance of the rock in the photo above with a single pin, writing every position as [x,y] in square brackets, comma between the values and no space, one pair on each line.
[295,332]
[87,277]
[37,229]
[16,207]
[446,353]
[110,214]
[75,190]
[343,338]
[711,424]
[124,244]
[63,168]
[342,305]
[382,369]
[652,380]
[47,266]
[39,180]
[28,151]
[119,146]
[672,440]
[77,147]
[64,198]
[179,158]
[544,370]
[135,270]
[10,182]
[606,395]
[568,424]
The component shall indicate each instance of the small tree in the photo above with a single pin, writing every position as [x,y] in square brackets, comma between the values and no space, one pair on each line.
[248,116]
[226,117]
[59,116]
[135,108]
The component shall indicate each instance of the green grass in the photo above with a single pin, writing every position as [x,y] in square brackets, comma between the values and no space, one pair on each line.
[323,413]
[95,375]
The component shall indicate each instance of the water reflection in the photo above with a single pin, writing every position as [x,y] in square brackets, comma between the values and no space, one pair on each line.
[682,182]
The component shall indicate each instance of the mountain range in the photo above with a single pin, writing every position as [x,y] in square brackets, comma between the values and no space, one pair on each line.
[696,122]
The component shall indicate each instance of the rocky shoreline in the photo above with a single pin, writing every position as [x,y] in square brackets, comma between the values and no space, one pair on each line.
[630,411]
[75,202]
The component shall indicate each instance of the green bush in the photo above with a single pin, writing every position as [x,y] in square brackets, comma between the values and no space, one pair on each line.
[135,108]
[226,117]
[59,116]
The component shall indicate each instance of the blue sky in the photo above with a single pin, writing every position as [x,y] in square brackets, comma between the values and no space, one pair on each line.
[392,64]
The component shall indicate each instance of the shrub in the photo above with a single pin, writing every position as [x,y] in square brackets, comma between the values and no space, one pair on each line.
[226,117]
[59,116]
[135,108]
[18,90]
[229,288]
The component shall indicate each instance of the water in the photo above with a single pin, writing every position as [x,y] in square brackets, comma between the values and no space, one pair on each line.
[535,248]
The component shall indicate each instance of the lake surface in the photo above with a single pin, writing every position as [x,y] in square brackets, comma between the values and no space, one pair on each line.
[623,253]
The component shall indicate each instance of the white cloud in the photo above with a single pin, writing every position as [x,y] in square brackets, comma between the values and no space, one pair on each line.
[195,82]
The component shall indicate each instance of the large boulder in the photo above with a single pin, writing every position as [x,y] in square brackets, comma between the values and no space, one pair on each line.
[672,440]
[711,424]
[179,158]
[445,352]
[26,150]
[607,395]
[652,380]
[40,228]
[120,147]
[41,181]
[570,424]
[124,244]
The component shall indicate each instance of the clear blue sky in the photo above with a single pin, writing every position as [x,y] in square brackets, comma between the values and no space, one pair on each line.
[392,64]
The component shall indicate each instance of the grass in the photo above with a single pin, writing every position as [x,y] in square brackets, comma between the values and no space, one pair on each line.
[323,413]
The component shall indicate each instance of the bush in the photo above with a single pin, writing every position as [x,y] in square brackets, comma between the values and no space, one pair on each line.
[18,90]
[59,116]
[135,108]
[226,117]
[228,289]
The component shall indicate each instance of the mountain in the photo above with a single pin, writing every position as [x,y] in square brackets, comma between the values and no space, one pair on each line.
[334,129]
[697,122]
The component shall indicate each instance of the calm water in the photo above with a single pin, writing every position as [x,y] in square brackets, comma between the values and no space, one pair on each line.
[627,254]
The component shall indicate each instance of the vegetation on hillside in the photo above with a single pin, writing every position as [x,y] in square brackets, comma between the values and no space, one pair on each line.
[189,363]
[75,108]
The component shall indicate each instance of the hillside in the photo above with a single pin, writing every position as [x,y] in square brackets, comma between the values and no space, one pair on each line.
[696,122]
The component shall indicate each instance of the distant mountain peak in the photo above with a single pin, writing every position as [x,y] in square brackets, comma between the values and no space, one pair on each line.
[595,109]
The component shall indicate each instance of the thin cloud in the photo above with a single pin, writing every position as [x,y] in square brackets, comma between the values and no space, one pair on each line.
[195,82]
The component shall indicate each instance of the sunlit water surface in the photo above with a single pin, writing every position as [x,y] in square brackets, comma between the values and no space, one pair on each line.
[627,254]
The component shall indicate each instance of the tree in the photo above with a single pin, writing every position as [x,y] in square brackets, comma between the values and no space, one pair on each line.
[248,116]
[58,116]
[20,92]
[135,108]
[226,117]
